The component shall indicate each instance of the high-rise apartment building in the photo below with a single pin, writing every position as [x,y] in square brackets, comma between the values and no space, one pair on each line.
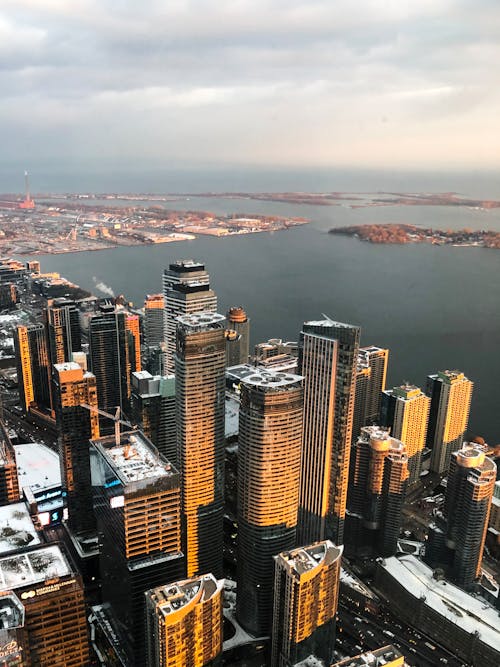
[63,329]
[451,394]
[133,325]
[456,539]
[76,425]
[9,482]
[186,290]
[110,359]
[329,371]
[153,410]
[154,307]
[269,453]
[377,489]
[33,366]
[137,505]
[363,373]
[184,623]
[306,590]
[54,630]
[200,419]
[405,411]
[377,359]
[238,321]
[233,348]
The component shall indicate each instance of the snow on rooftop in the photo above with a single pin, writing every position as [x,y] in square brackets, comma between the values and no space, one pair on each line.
[472,614]
[232,416]
[16,528]
[135,458]
[26,569]
[37,466]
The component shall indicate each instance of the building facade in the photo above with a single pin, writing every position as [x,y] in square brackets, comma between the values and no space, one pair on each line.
[63,329]
[33,366]
[306,589]
[238,321]
[450,393]
[9,481]
[405,411]
[186,290]
[269,454]
[184,623]
[332,448]
[154,307]
[377,489]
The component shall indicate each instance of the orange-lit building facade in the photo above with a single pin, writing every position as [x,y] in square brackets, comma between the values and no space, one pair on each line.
[269,455]
[154,306]
[200,414]
[405,411]
[451,395]
[133,324]
[306,589]
[33,366]
[184,623]
[76,425]
[330,450]
[9,482]
[54,630]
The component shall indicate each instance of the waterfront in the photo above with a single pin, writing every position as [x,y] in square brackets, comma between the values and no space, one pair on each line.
[435,307]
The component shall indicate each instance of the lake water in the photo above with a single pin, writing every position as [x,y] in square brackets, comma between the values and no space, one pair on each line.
[434,307]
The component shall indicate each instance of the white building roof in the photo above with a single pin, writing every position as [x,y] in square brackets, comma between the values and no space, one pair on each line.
[16,528]
[26,569]
[37,466]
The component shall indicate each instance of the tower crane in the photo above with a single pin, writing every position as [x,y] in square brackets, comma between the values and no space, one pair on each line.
[115,418]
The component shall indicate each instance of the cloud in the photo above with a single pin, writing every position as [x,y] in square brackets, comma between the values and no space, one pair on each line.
[261,81]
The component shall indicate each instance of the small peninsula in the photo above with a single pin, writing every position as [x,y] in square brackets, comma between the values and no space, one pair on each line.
[403,233]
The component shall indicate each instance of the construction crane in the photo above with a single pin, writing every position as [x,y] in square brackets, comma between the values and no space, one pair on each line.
[115,418]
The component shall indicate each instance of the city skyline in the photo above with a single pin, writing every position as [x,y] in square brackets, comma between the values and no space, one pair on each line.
[390,85]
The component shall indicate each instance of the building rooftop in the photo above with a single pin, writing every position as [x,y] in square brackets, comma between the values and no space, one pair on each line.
[16,528]
[37,466]
[202,320]
[407,391]
[11,612]
[31,567]
[449,376]
[134,458]
[304,559]
[387,656]
[380,440]
[328,322]
[271,380]
[472,614]
[175,596]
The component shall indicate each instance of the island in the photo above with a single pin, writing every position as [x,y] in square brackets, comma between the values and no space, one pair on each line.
[403,233]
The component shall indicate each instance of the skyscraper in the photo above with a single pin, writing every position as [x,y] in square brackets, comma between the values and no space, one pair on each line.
[238,321]
[186,289]
[154,306]
[33,366]
[200,415]
[153,409]
[329,371]
[76,425]
[184,623]
[456,540]
[9,483]
[377,359]
[137,505]
[377,489]
[109,358]
[55,629]
[306,589]
[405,410]
[363,373]
[269,454]
[133,324]
[451,394]
[63,328]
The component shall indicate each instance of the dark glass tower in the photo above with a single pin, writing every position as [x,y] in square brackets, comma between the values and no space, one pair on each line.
[63,329]
[269,455]
[329,443]
[109,359]
[377,489]
[200,418]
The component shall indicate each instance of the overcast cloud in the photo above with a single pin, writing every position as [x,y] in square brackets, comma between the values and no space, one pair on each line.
[411,83]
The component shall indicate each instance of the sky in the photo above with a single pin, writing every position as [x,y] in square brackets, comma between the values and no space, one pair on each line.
[365,83]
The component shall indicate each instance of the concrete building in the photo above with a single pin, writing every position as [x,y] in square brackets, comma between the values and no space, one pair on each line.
[269,454]
[63,329]
[154,307]
[9,484]
[306,589]
[386,656]
[238,321]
